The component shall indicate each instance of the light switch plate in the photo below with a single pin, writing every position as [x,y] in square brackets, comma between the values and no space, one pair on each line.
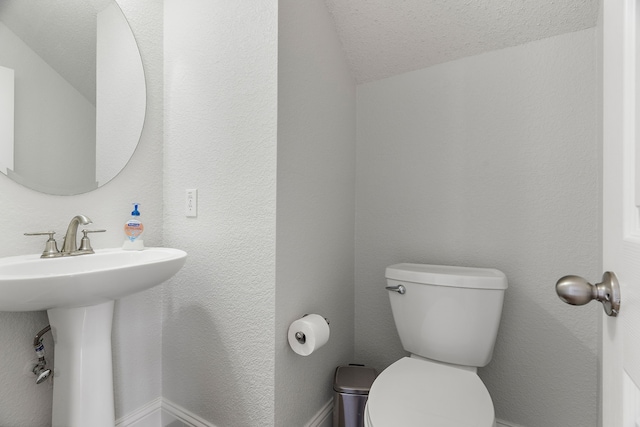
[191,206]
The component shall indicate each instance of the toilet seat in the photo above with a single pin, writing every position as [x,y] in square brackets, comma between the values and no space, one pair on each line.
[420,393]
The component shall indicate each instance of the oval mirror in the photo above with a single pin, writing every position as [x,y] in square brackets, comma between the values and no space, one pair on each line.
[72,93]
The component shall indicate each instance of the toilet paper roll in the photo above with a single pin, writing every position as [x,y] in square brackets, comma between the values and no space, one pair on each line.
[308,334]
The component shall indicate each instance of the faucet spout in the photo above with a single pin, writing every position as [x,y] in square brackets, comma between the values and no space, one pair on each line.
[70,244]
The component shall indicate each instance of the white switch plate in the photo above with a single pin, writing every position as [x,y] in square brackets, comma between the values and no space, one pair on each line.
[191,206]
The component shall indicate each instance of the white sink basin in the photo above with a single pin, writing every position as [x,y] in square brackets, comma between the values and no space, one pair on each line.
[31,283]
[78,293]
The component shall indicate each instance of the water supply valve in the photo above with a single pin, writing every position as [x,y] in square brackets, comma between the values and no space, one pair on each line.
[40,370]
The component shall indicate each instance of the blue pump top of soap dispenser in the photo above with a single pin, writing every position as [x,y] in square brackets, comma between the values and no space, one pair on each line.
[135,210]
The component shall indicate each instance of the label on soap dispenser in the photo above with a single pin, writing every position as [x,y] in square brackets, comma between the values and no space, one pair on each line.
[133,229]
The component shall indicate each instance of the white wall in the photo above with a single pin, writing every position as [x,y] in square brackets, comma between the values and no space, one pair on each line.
[470,162]
[316,197]
[220,137]
[491,161]
[137,322]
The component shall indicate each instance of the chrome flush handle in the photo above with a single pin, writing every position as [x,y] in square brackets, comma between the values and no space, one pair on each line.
[399,289]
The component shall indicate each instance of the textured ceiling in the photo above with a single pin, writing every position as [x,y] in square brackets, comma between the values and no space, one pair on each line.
[387,37]
[380,37]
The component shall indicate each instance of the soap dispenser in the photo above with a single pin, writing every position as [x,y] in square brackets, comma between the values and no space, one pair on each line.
[133,229]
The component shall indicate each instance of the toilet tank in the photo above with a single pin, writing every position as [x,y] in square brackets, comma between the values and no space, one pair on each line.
[449,314]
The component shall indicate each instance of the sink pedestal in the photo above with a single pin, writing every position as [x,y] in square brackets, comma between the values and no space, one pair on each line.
[82,375]
[83,371]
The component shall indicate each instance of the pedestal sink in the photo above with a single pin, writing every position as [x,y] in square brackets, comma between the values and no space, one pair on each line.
[79,293]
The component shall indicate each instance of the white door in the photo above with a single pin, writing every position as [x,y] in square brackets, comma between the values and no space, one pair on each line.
[620,374]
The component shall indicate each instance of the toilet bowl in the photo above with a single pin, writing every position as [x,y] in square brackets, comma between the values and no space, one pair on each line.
[447,318]
[420,393]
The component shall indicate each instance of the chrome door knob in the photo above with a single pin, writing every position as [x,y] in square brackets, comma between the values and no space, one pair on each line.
[575,290]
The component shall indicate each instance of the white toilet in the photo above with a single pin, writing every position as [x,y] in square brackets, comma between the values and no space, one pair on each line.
[447,318]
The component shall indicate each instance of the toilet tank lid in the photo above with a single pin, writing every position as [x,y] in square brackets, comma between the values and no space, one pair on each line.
[446,275]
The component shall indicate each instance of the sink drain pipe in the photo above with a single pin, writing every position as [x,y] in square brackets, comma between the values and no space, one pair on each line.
[40,369]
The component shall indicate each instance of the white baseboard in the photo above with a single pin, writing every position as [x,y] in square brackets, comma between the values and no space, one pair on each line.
[501,423]
[161,412]
[174,415]
[148,415]
[324,417]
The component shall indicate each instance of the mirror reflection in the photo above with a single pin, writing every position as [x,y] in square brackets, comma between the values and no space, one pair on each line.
[72,93]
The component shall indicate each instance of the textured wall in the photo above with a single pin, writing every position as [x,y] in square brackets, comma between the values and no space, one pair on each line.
[469,163]
[137,321]
[315,221]
[220,137]
[491,161]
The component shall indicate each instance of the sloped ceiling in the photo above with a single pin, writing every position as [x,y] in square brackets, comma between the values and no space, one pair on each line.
[387,37]
[381,38]
[62,33]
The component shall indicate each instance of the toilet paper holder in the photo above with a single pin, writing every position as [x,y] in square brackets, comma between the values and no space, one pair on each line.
[301,337]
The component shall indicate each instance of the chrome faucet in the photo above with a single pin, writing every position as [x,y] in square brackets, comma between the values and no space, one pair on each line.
[70,244]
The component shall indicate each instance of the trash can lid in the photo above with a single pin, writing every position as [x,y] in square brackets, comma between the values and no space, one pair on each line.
[354,379]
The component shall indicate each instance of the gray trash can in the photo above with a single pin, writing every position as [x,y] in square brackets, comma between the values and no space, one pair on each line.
[351,384]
